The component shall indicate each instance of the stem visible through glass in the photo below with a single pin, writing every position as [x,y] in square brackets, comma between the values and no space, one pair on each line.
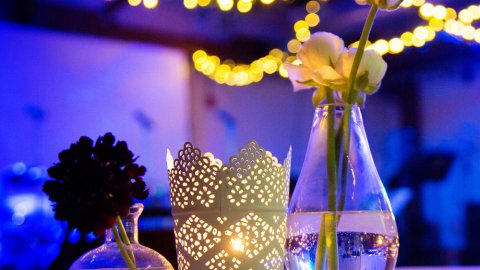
[127,254]
[327,237]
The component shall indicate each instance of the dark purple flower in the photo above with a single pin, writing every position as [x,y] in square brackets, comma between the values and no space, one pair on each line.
[92,184]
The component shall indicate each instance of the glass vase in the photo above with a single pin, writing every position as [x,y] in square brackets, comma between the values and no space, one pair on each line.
[339,215]
[108,256]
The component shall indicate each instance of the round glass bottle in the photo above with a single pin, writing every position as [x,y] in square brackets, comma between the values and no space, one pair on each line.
[108,256]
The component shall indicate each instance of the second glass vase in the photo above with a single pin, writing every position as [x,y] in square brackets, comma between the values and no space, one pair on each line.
[108,256]
[339,215]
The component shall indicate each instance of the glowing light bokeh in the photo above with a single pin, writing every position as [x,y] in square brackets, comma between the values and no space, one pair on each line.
[438,18]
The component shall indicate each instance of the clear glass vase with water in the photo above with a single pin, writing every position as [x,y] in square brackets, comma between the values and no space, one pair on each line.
[347,226]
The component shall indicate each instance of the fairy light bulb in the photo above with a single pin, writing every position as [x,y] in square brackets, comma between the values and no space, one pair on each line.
[417,42]
[244,6]
[395,45]
[451,14]
[475,11]
[407,38]
[204,3]
[134,3]
[312,19]
[225,5]
[150,3]
[420,32]
[436,24]
[190,4]
[477,35]
[381,46]
[267,2]
[465,16]
[406,3]
[283,71]
[418,3]
[294,46]
[427,10]
[303,34]
[430,33]
[468,32]
[440,12]
[312,7]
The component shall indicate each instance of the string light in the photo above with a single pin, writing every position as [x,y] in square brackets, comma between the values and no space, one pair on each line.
[189,4]
[243,6]
[438,18]
[395,45]
[244,74]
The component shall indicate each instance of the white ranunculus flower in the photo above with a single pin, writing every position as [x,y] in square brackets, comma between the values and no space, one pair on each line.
[322,49]
[318,56]
[383,4]
[372,66]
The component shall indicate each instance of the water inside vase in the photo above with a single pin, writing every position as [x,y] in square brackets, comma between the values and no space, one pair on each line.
[366,240]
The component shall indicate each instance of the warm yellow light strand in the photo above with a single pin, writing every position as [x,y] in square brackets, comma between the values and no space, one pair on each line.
[230,73]
[438,18]
[242,6]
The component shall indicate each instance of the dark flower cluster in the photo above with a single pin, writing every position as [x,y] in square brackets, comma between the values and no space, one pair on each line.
[92,184]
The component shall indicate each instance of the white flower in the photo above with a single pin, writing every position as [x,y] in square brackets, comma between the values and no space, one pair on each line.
[383,4]
[327,64]
[318,57]
[370,72]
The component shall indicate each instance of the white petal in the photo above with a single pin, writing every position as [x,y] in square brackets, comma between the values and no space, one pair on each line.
[345,62]
[371,62]
[298,74]
[375,65]
[371,89]
[321,49]
[328,76]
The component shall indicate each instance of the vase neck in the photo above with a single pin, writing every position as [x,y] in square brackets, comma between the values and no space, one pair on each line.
[339,110]
[130,223]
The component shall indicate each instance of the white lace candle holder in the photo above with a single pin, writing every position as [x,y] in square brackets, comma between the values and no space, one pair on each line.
[230,216]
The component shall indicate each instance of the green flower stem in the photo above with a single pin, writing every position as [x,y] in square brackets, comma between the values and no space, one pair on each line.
[125,237]
[352,92]
[344,128]
[331,159]
[331,235]
[124,253]
[339,138]
[327,238]
[321,245]
[352,99]
[122,231]
[332,170]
